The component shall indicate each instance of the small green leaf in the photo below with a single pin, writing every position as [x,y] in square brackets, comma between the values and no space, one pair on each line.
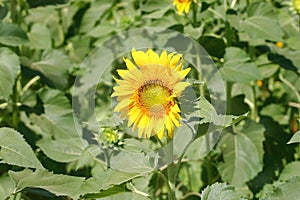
[242,153]
[220,191]
[57,184]
[295,138]
[15,151]
[9,68]
[12,34]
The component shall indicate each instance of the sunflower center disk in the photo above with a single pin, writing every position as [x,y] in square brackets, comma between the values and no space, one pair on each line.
[154,98]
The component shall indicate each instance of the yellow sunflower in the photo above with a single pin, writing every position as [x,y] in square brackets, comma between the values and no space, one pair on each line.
[182,5]
[147,92]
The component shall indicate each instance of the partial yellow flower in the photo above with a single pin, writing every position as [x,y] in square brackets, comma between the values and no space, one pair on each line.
[182,5]
[147,93]
[296,6]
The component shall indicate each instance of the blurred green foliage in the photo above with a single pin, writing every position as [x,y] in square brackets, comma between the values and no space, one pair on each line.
[43,152]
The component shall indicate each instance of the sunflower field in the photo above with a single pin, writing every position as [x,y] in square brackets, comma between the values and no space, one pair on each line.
[149,99]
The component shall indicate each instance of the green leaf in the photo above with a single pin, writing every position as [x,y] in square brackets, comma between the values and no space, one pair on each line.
[261,27]
[58,120]
[288,190]
[209,115]
[63,150]
[12,34]
[54,65]
[9,68]
[7,186]
[139,163]
[57,184]
[237,68]
[220,191]
[15,151]
[242,153]
[290,170]
[104,180]
[40,37]
[154,5]
[277,112]
[295,138]
[92,15]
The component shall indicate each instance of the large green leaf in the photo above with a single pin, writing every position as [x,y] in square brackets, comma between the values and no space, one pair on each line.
[9,68]
[15,151]
[63,150]
[57,184]
[54,65]
[12,34]
[242,153]
[7,186]
[220,191]
[237,68]
[261,27]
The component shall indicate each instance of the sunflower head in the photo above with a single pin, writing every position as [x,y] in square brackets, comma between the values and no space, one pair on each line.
[182,5]
[147,93]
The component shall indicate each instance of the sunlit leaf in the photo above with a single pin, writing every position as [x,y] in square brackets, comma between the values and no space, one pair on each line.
[15,151]
[9,68]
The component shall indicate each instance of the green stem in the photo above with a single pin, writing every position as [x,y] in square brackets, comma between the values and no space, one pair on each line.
[171,170]
[13,11]
[209,170]
[194,15]
[228,97]
[201,86]
[15,100]
[254,114]
[291,86]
